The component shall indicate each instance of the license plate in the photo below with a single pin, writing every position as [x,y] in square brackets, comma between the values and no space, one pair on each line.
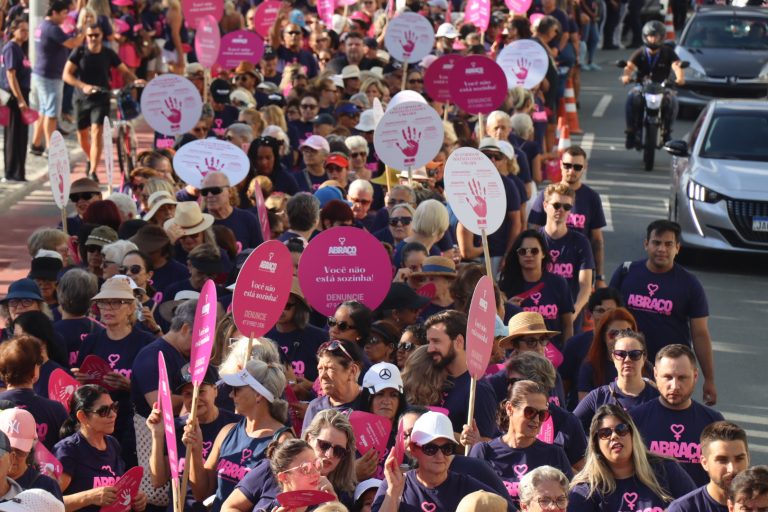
[760,224]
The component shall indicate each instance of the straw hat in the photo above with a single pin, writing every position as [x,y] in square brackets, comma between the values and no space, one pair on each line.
[482,500]
[156,200]
[524,324]
[189,218]
[115,288]
[437,266]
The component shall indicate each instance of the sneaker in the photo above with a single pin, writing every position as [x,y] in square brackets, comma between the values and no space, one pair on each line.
[586,67]
[595,67]
[629,143]
[36,150]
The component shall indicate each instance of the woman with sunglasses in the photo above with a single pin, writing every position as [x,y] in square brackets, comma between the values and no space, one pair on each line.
[528,285]
[264,154]
[518,451]
[413,337]
[400,219]
[89,455]
[620,473]
[381,345]
[351,322]
[630,389]
[597,370]
[138,267]
[23,295]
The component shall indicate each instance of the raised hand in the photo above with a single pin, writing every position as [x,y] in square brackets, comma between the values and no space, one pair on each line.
[174,112]
[522,73]
[412,138]
[409,44]
[477,201]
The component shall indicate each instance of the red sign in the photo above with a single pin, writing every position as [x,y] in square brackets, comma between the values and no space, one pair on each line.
[127,487]
[480,327]
[436,78]
[61,387]
[297,499]
[480,85]
[95,369]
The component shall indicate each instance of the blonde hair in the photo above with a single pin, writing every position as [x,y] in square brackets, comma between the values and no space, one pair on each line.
[254,119]
[45,238]
[431,218]
[263,349]
[521,97]
[343,477]
[423,384]
[558,188]
[272,114]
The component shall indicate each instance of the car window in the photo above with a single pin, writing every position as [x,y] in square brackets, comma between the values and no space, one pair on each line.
[694,135]
[739,136]
[741,33]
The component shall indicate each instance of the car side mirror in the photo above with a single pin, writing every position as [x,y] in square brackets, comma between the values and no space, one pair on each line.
[676,148]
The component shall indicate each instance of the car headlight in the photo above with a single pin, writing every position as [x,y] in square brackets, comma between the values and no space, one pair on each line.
[695,72]
[763,76]
[697,192]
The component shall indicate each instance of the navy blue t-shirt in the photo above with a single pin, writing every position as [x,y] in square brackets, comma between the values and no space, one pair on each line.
[308,182]
[13,58]
[322,403]
[74,331]
[49,415]
[587,213]
[299,347]
[569,434]
[662,303]
[511,464]
[611,394]
[574,352]
[570,254]
[145,365]
[303,57]
[245,226]
[456,400]
[50,52]
[168,274]
[497,241]
[698,500]
[259,486]
[32,479]
[676,433]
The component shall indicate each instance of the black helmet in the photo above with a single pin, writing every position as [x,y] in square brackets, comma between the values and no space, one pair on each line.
[654,28]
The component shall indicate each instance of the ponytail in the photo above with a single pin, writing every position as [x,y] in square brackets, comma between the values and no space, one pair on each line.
[83,399]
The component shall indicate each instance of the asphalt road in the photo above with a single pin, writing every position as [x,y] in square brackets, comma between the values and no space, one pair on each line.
[735,284]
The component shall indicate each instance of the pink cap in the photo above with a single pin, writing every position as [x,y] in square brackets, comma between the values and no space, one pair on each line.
[123,3]
[19,426]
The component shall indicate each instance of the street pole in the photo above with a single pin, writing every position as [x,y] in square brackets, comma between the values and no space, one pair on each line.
[36,14]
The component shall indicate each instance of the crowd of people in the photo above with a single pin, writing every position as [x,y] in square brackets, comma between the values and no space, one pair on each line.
[588,400]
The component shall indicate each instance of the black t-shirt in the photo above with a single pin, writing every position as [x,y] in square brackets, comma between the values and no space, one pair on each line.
[658,66]
[94,68]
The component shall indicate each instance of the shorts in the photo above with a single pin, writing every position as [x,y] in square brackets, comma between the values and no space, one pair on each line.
[47,95]
[91,110]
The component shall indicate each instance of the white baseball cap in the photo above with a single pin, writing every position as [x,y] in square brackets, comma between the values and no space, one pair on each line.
[367,121]
[366,485]
[447,30]
[383,376]
[33,500]
[317,142]
[430,426]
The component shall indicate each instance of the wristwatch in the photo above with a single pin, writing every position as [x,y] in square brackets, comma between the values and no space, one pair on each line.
[600,277]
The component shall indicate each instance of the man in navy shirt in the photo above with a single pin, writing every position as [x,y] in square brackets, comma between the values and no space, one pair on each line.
[724,454]
[289,46]
[748,491]
[667,301]
[672,425]
[217,193]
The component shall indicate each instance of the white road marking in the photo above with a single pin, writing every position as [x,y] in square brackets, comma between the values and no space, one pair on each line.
[608,213]
[602,105]
[587,141]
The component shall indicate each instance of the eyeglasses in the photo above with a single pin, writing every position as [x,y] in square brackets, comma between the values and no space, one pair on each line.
[338,451]
[531,412]
[112,303]
[565,206]
[356,155]
[342,326]
[534,341]
[107,263]
[211,190]
[431,449]
[105,410]
[93,36]
[308,106]
[547,502]
[575,167]
[525,251]
[24,303]
[333,168]
[199,129]
[495,156]
[621,430]
[331,346]
[360,201]
[132,269]
[308,468]
[293,32]
[405,221]
[85,196]
[634,355]
[415,81]
[405,346]
[600,310]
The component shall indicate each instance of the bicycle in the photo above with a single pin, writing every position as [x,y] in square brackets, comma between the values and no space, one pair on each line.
[128,108]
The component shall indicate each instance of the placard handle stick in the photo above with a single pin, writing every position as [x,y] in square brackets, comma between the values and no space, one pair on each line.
[248,352]
[410,177]
[486,254]
[206,81]
[175,493]
[471,409]
[64,221]
[185,475]
[480,128]
[446,107]
[389,179]
[405,76]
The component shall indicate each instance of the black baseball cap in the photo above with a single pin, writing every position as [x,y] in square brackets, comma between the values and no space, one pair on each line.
[220,90]
[185,377]
[402,296]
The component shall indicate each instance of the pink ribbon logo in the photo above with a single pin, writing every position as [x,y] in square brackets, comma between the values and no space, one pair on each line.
[554,254]
[630,498]
[652,288]
[677,429]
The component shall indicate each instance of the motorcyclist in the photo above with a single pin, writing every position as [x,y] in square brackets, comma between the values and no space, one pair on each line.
[654,61]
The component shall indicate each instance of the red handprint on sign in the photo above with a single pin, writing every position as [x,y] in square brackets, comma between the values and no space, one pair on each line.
[411,137]
[212,165]
[60,167]
[522,73]
[174,112]
[478,202]
[409,44]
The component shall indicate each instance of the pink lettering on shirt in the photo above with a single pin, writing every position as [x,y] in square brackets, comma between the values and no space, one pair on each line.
[576,220]
[548,311]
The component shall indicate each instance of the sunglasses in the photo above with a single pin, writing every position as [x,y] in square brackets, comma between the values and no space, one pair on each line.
[132,269]
[575,167]
[565,206]
[431,449]
[633,355]
[533,341]
[338,451]
[405,221]
[211,190]
[495,156]
[621,430]
[333,168]
[93,36]
[85,196]
[531,412]
[332,346]
[395,202]
[308,468]
[342,326]
[308,106]
[526,251]
[407,347]
[105,410]
[415,81]
[356,155]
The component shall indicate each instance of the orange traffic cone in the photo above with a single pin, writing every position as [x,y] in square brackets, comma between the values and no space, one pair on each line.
[565,139]
[571,115]
[669,24]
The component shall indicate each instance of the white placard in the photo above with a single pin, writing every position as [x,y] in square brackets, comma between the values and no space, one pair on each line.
[409,37]
[171,104]
[109,162]
[524,62]
[196,159]
[58,170]
[408,135]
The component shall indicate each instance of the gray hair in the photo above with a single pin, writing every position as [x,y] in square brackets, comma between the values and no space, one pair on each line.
[242,131]
[406,188]
[497,114]
[45,238]
[404,206]
[263,349]
[431,218]
[303,211]
[125,205]
[530,481]
[534,367]
[354,142]
[184,314]
[522,125]
[272,377]
[75,289]
[116,251]
[360,185]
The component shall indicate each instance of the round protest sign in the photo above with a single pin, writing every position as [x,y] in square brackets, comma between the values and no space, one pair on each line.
[481,322]
[524,63]
[171,104]
[475,191]
[207,41]
[193,10]
[409,37]
[408,135]
[262,288]
[266,14]
[239,46]
[196,159]
[478,84]
[478,13]
[403,96]
[518,6]
[109,162]
[58,170]
[436,78]
[344,263]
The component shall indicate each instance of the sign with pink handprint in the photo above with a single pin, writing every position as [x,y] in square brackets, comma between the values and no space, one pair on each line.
[238,46]
[478,84]
[480,327]
[207,41]
[518,6]
[193,10]
[58,170]
[436,78]
[478,13]
[408,135]
[266,14]
[127,487]
[109,157]
[524,63]
[171,104]
[196,159]
[49,465]
[409,37]
[475,191]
